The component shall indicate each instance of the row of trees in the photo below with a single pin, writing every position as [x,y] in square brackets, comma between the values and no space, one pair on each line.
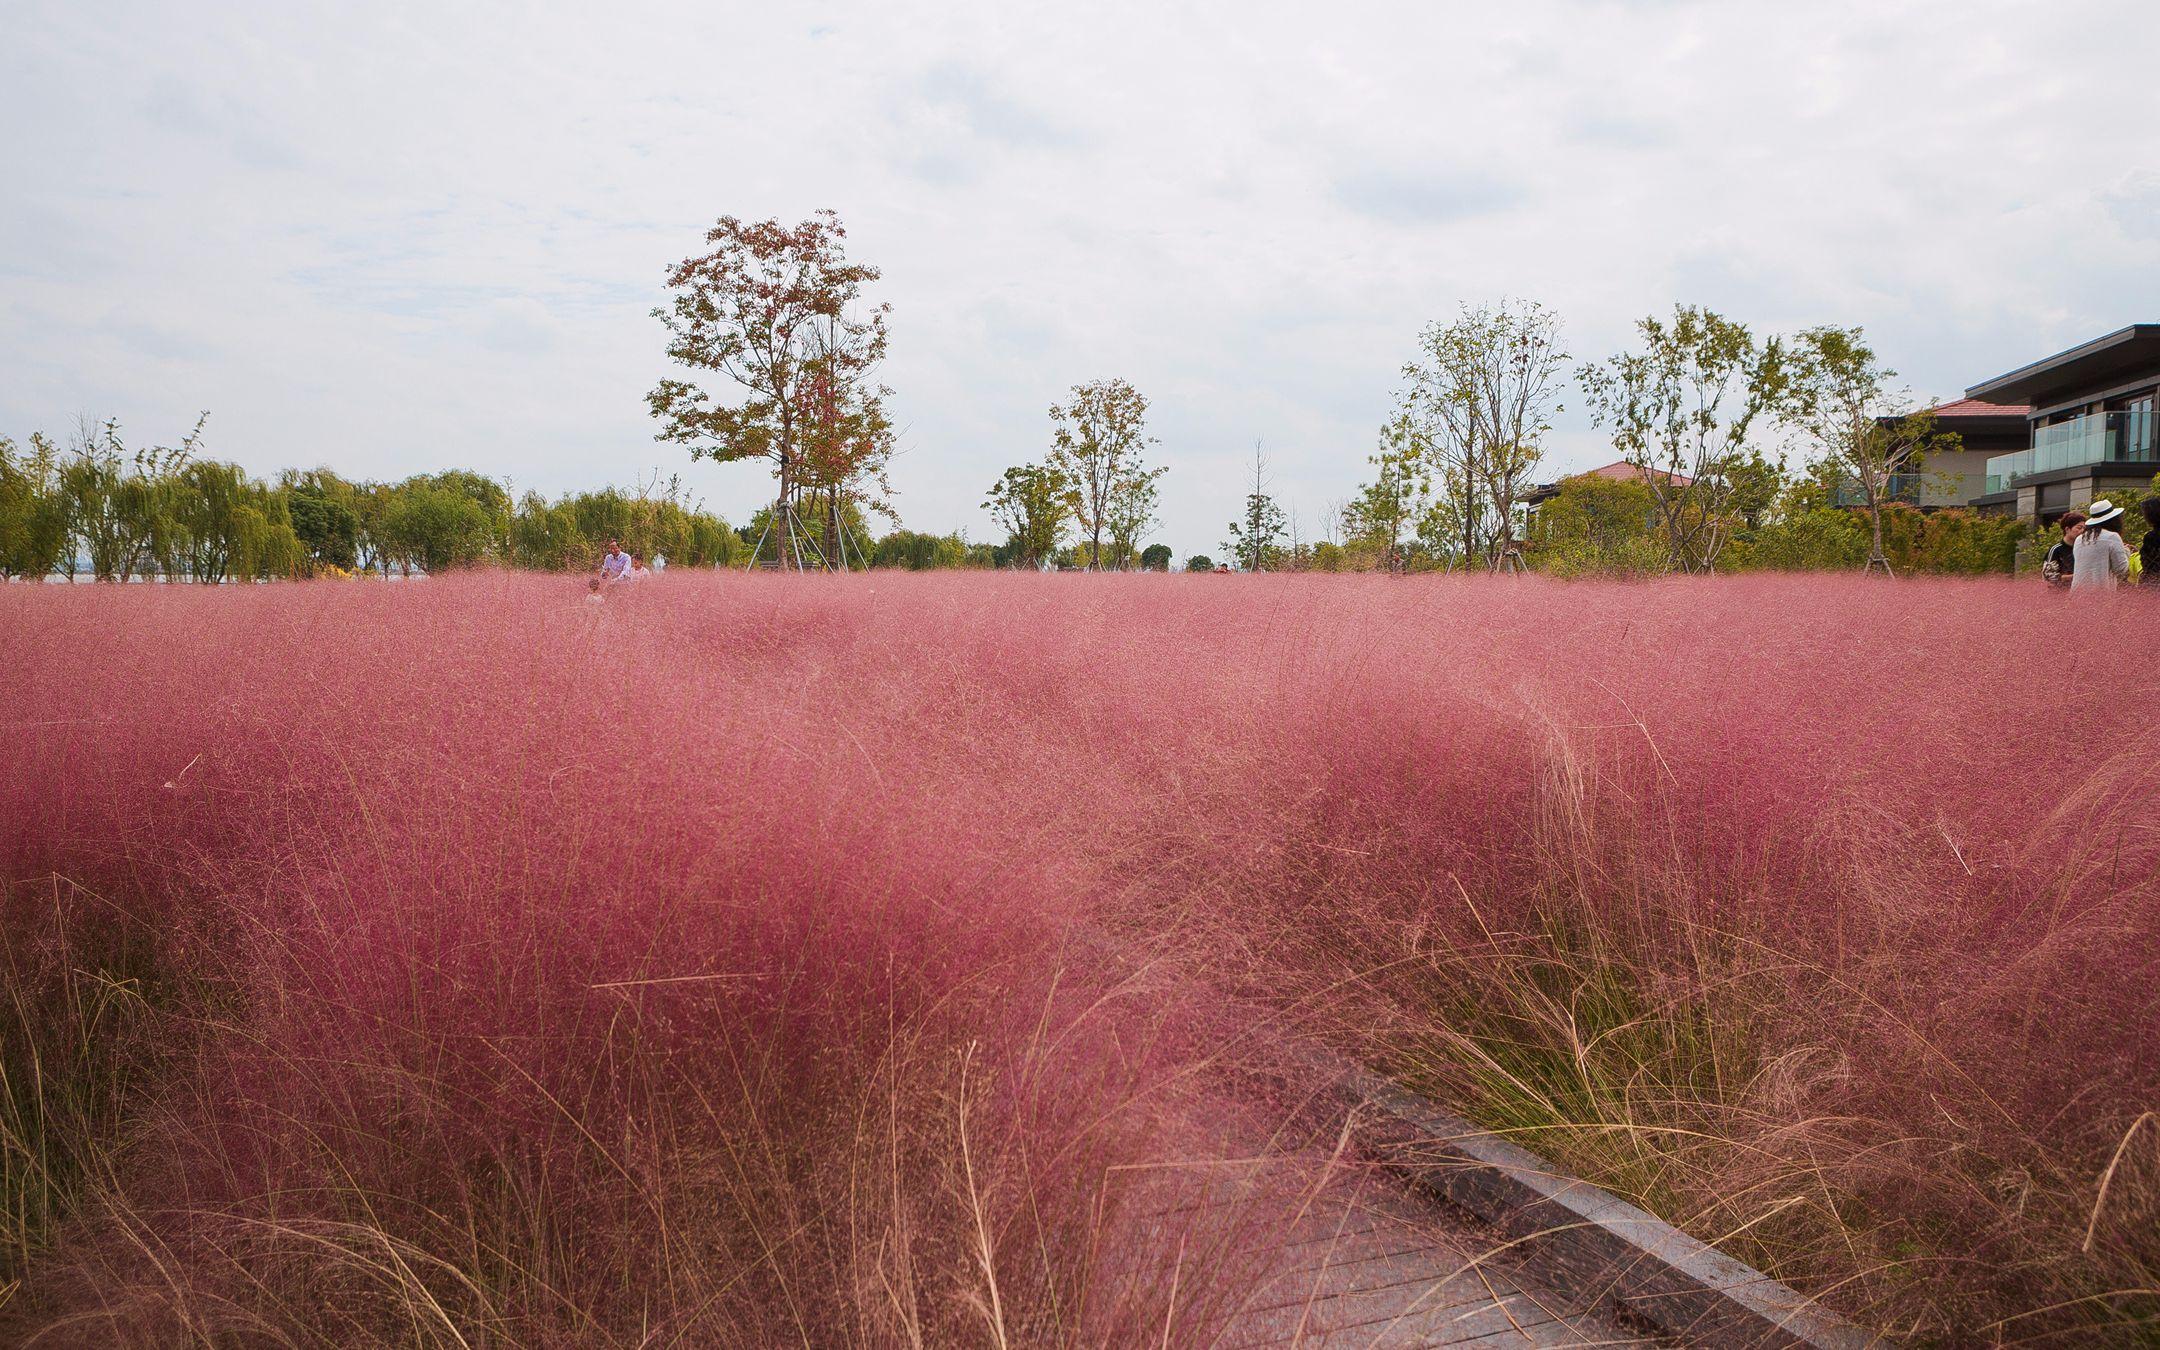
[97,508]
[782,347]
[1096,479]
[780,314]
[1705,413]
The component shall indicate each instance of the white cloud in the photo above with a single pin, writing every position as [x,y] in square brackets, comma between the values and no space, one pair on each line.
[398,236]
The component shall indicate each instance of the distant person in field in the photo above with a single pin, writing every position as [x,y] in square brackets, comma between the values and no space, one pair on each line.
[638,569]
[614,564]
[2149,551]
[2102,558]
[592,592]
[2057,568]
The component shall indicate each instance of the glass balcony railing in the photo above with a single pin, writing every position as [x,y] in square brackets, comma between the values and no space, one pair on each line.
[1902,487]
[2101,438]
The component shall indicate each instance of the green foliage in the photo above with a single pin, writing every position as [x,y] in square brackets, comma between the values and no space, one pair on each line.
[1962,543]
[922,552]
[1815,539]
[1032,502]
[1255,543]
[1475,408]
[33,509]
[1843,401]
[1155,558]
[1389,506]
[1600,527]
[571,534]
[124,513]
[547,538]
[1812,537]
[1097,441]
[841,535]
[1199,562]
[324,522]
[437,528]
[225,525]
[1680,410]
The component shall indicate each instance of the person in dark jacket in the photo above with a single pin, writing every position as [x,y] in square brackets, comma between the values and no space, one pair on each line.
[2057,568]
[2149,551]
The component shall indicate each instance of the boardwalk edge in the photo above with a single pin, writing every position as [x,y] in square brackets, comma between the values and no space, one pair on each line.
[1578,1236]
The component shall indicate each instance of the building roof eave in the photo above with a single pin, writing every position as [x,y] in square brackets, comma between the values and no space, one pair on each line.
[2026,382]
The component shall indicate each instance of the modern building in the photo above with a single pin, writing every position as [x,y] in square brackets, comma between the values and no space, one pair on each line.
[1950,477]
[2089,412]
[1957,477]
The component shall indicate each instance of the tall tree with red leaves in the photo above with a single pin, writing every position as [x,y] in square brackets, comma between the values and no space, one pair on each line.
[775,309]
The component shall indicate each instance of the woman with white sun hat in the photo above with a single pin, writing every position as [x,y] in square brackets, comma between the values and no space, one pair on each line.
[2102,558]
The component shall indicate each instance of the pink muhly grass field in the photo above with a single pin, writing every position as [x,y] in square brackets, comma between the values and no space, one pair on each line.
[752,958]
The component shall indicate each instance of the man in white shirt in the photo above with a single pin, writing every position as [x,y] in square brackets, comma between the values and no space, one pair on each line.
[615,565]
[2102,558]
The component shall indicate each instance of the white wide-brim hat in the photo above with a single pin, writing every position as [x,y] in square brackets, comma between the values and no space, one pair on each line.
[2102,511]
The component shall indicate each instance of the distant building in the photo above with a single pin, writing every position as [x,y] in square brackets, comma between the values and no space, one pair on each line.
[2089,422]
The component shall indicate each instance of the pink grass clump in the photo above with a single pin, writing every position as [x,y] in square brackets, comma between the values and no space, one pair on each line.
[760,953]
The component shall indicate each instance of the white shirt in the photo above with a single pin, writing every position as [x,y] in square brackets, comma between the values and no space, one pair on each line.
[614,565]
[2101,559]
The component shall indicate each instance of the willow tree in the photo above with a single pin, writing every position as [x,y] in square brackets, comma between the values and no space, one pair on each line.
[33,510]
[775,310]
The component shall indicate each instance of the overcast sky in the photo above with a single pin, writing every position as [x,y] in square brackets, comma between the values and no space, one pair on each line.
[392,237]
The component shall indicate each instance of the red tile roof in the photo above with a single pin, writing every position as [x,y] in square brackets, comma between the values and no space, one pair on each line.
[1621,470]
[1972,407]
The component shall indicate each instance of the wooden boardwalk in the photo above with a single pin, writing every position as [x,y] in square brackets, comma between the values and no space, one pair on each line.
[1356,1260]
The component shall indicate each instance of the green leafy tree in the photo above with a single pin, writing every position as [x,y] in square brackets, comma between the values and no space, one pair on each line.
[546,537]
[1199,562]
[918,552]
[1389,506]
[320,506]
[1097,441]
[710,542]
[1155,558]
[1844,403]
[1680,410]
[1602,526]
[779,545]
[1032,503]
[437,528]
[1755,483]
